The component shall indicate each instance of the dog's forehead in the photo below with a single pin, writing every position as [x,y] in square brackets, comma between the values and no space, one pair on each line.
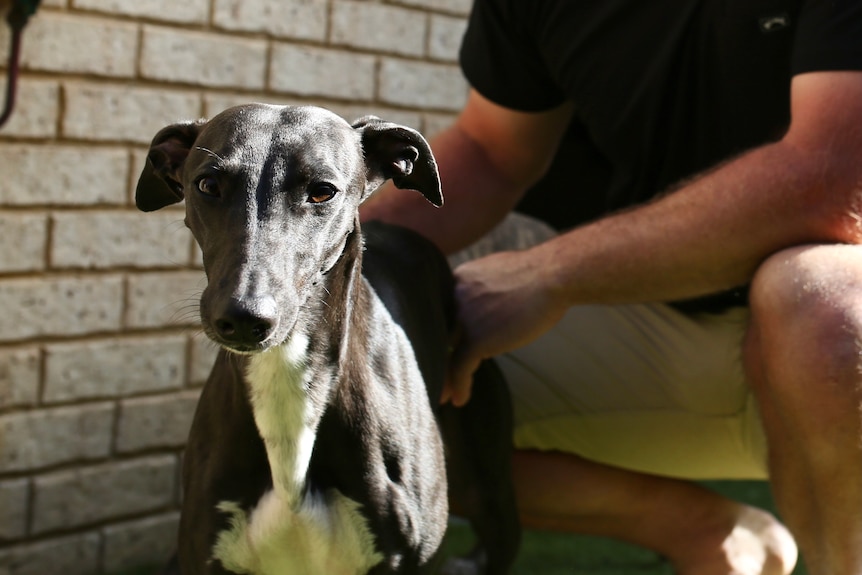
[300,131]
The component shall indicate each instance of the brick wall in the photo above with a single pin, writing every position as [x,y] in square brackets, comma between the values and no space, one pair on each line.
[100,359]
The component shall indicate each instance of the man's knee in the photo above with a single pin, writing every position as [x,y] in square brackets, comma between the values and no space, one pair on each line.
[806,310]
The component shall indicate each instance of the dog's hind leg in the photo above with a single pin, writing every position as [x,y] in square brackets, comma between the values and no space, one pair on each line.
[479,444]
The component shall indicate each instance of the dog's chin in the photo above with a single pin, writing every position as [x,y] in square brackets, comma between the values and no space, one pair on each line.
[245,348]
[250,349]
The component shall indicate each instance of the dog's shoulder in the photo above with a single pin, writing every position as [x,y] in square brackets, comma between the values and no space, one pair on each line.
[395,254]
[413,280]
[410,275]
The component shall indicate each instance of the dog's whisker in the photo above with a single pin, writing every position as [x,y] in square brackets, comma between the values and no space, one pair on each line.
[210,153]
[184,311]
[204,338]
[192,330]
[175,226]
[323,300]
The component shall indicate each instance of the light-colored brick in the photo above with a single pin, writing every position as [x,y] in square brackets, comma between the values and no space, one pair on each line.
[307,71]
[164,298]
[423,85]
[185,12]
[215,60]
[124,113]
[433,124]
[379,27]
[352,113]
[23,238]
[13,508]
[445,37]
[37,109]
[215,102]
[112,368]
[19,377]
[151,422]
[70,43]
[133,544]
[453,6]
[204,352]
[298,19]
[62,175]
[91,97]
[73,555]
[47,306]
[83,496]
[99,240]
[37,439]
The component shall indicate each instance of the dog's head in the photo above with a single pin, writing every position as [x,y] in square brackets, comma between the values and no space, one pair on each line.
[272,195]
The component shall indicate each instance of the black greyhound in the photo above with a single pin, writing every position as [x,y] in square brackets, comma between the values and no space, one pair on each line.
[316,446]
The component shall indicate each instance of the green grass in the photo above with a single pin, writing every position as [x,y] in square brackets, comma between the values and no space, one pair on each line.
[145,570]
[545,553]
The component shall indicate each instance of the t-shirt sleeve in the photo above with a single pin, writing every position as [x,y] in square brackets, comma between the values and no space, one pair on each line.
[829,36]
[502,62]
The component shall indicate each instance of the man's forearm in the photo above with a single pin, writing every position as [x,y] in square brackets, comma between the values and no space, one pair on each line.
[708,236]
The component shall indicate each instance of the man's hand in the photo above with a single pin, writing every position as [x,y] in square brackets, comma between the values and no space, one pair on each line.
[505,301]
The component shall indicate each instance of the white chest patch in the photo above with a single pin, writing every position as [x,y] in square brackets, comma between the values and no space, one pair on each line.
[292,530]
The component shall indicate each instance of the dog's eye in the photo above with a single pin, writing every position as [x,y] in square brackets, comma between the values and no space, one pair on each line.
[321,193]
[208,185]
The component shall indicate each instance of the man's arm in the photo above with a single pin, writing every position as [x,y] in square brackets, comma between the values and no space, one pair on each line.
[714,232]
[709,235]
[487,160]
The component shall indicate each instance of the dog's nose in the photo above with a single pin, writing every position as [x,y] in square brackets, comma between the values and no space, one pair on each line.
[248,321]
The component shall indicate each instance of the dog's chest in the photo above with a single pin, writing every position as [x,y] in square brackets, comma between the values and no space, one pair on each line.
[292,529]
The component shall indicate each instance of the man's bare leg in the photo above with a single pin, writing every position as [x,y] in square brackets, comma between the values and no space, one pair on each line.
[699,531]
[803,360]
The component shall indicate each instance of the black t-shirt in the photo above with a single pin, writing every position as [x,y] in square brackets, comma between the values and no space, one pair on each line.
[662,89]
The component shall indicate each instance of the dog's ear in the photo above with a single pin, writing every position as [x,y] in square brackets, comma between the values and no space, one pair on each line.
[401,154]
[159,184]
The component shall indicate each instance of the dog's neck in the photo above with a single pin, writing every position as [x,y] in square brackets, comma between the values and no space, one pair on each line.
[291,383]
[285,418]
[343,287]
[294,529]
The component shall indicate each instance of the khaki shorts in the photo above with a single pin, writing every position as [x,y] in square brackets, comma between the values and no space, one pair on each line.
[642,387]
